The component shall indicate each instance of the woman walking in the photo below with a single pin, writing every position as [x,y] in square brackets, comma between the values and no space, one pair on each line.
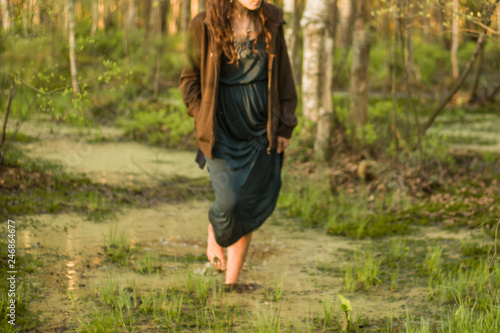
[238,86]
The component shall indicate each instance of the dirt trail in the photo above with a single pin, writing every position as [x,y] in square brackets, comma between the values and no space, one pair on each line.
[72,248]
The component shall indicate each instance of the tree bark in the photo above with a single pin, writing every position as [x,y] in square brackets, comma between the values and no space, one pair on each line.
[322,144]
[165,9]
[72,47]
[454,40]
[313,26]
[95,17]
[473,97]
[347,13]
[130,15]
[360,69]
[147,17]
[6,22]
[186,15]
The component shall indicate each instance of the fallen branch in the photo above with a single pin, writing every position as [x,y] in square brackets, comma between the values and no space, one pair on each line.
[480,44]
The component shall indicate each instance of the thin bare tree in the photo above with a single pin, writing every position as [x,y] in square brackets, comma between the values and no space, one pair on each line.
[313,25]
[454,40]
[72,46]
[6,22]
[360,66]
[322,143]
[186,15]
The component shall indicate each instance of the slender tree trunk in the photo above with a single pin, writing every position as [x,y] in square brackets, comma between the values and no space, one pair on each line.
[454,40]
[347,13]
[155,31]
[322,144]
[425,21]
[439,25]
[34,14]
[95,17]
[26,18]
[130,15]
[5,8]
[103,13]
[129,23]
[72,46]
[165,9]
[148,6]
[395,41]
[498,18]
[313,26]
[175,17]
[186,15]
[473,97]
[360,68]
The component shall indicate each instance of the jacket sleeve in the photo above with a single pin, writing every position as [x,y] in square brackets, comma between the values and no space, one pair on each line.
[190,81]
[286,88]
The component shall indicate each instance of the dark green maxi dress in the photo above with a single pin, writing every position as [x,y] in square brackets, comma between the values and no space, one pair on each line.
[245,178]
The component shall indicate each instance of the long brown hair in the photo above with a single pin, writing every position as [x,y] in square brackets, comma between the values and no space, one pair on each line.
[219,14]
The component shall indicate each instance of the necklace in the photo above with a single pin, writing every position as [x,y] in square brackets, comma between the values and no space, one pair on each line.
[243,47]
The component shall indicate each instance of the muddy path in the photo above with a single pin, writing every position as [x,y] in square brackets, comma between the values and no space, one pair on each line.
[74,263]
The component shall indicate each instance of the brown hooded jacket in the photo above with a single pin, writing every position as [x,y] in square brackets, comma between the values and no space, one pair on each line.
[199,82]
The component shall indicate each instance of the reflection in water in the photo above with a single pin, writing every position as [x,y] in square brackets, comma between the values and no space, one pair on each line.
[71,275]
[70,265]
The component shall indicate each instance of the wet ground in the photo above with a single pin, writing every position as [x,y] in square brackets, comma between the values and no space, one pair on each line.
[74,263]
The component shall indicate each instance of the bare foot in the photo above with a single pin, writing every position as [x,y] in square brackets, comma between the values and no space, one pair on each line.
[215,252]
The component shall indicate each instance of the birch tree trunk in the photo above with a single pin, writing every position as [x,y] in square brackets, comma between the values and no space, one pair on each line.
[72,46]
[454,40]
[322,143]
[313,26]
[360,69]
[6,24]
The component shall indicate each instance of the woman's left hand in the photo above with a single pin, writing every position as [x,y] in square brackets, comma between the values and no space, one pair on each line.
[283,144]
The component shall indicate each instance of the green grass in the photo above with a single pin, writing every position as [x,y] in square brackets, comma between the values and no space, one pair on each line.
[117,246]
[193,302]
[27,289]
